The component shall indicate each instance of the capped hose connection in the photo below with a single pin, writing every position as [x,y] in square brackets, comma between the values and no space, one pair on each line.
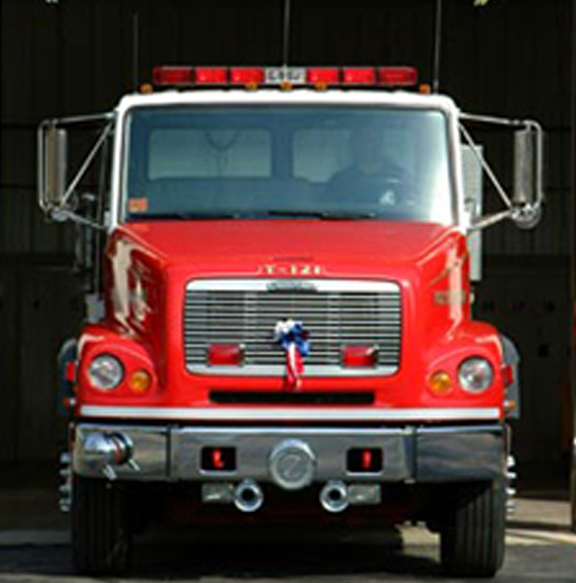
[102,452]
[334,496]
[248,496]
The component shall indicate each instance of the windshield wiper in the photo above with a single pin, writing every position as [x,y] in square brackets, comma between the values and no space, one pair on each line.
[329,215]
[185,216]
[216,215]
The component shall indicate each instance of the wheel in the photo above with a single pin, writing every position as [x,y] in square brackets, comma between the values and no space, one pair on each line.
[101,534]
[473,536]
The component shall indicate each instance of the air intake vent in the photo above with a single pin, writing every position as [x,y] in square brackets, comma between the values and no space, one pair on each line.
[296,398]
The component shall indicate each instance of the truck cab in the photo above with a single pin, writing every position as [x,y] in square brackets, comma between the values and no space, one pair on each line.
[282,318]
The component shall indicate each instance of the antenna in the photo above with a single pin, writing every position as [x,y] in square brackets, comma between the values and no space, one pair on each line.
[286,34]
[135,49]
[437,47]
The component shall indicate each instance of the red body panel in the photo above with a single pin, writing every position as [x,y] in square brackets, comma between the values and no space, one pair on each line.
[149,264]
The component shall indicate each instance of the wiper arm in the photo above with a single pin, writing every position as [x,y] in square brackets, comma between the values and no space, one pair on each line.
[294,214]
[348,215]
[329,215]
[184,216]
[215,215]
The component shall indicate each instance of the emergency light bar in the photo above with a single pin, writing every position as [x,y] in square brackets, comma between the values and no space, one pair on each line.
[287,77]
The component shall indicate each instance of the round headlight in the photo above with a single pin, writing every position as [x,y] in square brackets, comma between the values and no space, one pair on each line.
[475,374]
[105,372]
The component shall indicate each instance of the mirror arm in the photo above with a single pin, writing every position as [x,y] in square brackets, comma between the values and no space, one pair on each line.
[500,121]
[62,215]
[88,160]
[490,220]
[485,166]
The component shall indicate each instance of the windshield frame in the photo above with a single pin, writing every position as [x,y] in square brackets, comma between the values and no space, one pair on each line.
[239,100]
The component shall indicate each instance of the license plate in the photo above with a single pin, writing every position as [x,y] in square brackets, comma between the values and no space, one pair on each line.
[279,75]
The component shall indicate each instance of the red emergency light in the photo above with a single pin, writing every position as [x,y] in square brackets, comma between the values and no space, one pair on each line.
[173,76]
[323,76]
[359,356]
[247,75]
[398,76]
[211,76]
[252,77]
[359,76]
[225,355]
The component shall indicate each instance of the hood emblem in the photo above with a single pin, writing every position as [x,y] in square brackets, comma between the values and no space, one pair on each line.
[291,285]
[293,270]
[293,339]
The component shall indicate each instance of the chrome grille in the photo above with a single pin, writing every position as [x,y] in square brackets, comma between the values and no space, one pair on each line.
[336,313]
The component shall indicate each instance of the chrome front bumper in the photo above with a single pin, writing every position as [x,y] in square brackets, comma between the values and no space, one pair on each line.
[410,454]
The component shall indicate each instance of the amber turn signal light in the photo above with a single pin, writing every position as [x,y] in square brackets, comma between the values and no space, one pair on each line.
[140,381]
[440,383]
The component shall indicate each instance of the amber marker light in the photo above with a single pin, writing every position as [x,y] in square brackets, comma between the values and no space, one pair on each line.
[510,405]
[146,88]
[140,381]
[440,383]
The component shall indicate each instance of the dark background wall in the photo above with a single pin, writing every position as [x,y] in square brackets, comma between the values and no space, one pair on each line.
[511,58]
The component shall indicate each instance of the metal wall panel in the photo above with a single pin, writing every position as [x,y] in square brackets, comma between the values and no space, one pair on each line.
[534,317]
[40,306]
[9,373]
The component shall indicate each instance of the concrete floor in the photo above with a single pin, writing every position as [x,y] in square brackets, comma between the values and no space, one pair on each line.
[34,541]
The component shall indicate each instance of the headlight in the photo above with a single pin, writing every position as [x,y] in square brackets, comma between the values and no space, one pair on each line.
[475,374]
[105,372]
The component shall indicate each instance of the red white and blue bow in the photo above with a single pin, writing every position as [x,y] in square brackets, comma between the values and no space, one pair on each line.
[293,338]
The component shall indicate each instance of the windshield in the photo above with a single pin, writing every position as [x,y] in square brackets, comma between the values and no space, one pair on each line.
[270,162]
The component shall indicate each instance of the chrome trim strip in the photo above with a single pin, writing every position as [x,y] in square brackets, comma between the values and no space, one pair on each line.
[321,285]
[296,414]
[262,370]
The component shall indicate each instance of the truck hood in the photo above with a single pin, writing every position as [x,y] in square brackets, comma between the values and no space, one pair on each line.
[331,247]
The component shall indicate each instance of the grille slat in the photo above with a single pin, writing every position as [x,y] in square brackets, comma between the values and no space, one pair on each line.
[334,318]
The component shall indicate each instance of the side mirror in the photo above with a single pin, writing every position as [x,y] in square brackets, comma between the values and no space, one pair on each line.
[53,166]
[528,181]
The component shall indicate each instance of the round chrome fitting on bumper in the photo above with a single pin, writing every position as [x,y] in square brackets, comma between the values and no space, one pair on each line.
[292,464]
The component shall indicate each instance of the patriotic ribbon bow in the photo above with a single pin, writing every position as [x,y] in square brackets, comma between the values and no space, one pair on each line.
[293,338]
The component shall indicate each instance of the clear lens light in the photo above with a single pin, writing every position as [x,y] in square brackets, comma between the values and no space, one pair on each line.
[475,374]
[106,372]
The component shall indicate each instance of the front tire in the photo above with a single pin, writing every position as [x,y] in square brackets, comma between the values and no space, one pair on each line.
[473,537]
[101,535]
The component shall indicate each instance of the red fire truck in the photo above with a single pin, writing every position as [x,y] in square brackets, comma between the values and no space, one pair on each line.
[279,308]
